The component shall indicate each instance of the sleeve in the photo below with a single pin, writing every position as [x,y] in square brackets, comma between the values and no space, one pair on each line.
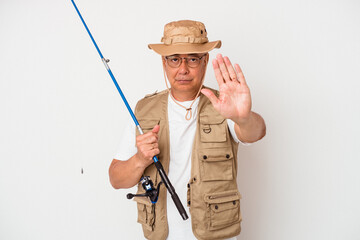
[127,143]
[231,125]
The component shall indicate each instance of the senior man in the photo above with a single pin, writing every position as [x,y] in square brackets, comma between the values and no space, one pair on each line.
[195,132]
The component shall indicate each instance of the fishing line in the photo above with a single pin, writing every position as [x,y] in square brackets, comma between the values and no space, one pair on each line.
[157,163]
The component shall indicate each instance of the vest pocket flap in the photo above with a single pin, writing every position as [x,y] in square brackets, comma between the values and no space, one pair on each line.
[222,197]
[224,206]
[206,119]
[212,128]
[216,154]
[216,164]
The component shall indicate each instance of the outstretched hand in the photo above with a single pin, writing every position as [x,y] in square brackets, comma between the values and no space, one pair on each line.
[234,101]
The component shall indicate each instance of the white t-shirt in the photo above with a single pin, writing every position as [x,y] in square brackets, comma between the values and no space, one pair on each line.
[182,134]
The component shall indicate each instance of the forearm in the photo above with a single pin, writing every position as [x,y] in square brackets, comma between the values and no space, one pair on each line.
[125,174]
[251,130]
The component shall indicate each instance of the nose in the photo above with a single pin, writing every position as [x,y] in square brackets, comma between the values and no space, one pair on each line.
[183,68]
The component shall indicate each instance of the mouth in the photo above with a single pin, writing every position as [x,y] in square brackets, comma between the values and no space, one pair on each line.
[184,81]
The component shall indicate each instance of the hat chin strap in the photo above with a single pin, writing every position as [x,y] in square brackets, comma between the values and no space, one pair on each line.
[188,114]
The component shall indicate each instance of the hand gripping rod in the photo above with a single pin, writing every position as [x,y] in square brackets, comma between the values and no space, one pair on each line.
[158,164]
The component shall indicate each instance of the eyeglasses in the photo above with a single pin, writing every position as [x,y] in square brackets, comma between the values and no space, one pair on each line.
[175,61]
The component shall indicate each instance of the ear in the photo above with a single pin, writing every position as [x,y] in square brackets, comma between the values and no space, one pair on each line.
[164,65]
[163,61]
[206,58]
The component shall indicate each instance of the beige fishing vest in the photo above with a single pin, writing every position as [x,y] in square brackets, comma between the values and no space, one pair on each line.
[213,198]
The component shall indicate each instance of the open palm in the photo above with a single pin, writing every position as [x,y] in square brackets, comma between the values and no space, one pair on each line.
[234,101]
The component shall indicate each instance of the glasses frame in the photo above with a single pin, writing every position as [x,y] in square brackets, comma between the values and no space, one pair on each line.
[184,58]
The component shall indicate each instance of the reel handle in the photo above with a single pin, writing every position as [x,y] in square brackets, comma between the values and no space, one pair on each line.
[130,195]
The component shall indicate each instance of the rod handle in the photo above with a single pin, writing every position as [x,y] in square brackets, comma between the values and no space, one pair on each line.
[171,190]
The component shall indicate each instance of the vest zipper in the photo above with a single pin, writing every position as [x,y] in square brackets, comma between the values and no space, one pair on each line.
[222,195]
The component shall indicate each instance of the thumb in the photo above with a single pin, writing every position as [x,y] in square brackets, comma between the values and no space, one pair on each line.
[210,95]
[156,129]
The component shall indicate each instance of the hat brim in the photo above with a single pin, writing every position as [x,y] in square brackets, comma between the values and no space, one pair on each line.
[184,48]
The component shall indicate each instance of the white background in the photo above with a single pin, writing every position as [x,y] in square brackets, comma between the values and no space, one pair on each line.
[60,112]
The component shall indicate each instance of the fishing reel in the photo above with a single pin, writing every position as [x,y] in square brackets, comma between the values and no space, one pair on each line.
[148,186]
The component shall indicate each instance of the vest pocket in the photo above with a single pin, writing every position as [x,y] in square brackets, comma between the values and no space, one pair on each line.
[212,128]
[146,213]
[216,164]
[223,209]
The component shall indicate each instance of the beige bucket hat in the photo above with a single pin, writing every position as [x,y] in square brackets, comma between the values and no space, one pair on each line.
[183,37]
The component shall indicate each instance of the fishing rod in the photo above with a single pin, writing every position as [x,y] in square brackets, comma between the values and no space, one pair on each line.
[157,163]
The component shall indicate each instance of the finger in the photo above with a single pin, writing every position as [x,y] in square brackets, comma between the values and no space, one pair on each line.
[155,152]
[155,145]
[223,68]
[147,138]
[152,152]
[152,146]
[156,129]
[211,96]
[154,132]
[240,74]
[218,75]
[151,139]
[149,149]
[231,70]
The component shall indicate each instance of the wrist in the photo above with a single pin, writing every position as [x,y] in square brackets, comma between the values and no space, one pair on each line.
[243,121]
[139,163]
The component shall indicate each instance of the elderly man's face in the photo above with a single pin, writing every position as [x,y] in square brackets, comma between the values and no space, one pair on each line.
[185,77]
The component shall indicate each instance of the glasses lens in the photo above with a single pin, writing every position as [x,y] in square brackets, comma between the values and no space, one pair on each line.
[175,61]
[193,61]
